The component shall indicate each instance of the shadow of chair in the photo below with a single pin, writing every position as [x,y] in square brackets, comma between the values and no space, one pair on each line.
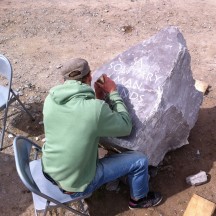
[46,195]
[7,95]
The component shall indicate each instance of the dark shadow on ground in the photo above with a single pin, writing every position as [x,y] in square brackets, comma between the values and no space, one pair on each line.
[23,122]
[19,122]
[14,197]
[111,203]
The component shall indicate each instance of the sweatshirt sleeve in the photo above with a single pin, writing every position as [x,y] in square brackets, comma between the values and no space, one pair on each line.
[114,122]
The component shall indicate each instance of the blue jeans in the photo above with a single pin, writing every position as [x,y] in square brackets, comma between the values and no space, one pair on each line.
[132,164]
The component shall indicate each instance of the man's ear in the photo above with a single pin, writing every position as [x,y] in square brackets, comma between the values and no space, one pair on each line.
[87,79]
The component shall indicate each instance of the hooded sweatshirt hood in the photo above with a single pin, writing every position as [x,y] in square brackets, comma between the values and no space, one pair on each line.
[61,94]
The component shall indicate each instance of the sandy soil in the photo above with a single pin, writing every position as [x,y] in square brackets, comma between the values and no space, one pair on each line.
[37,36]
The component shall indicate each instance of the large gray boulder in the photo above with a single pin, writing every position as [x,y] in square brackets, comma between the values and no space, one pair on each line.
[154,79]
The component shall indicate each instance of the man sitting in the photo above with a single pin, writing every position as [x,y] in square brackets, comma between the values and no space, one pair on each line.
[75,117]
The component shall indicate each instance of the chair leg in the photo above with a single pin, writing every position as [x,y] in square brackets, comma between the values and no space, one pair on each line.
[46,209]
[83,206]
[3,128]
[75,211]
[36,214]
[17,98]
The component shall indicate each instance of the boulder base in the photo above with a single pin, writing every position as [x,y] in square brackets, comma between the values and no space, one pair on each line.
[154,79]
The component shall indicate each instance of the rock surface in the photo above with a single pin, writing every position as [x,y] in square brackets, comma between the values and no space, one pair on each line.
[154,79]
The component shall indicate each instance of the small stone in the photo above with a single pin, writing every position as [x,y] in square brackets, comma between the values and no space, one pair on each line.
[27,106]
[10,135]
[20,93]
[197,179]
[59,66]
[198,154]
[127,29]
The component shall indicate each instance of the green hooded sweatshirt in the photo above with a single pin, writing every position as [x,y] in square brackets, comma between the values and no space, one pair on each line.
[74,121]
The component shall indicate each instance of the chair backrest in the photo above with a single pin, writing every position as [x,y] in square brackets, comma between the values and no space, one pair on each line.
[5,68]
[22,149]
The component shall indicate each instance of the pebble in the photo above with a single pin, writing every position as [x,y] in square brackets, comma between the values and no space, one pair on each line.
[198,154]
[27,106]
[59,66]
[10,136]
[20,93]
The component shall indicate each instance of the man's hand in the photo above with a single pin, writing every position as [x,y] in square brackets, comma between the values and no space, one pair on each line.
[108,85]
[100,94]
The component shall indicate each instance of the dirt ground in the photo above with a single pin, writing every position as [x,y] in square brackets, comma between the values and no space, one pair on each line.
[37,36]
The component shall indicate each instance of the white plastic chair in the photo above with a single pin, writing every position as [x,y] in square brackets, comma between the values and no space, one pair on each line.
[46,195]
[7,95]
